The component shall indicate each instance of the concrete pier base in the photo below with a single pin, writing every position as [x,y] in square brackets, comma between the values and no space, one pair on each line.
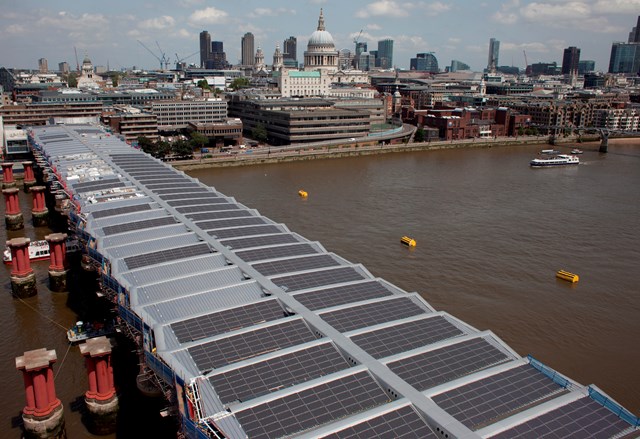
[28,185]
[47,427]
[102,415]
[58,280]
[40,219]
[24,286]
[8,185]
[14,222]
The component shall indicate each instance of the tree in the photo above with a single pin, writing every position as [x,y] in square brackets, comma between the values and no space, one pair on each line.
[115,78]
[238,83]
[182,149]
[259,133]
[146,144]
[203,84]
[72,80]
[419,137]
[198,140]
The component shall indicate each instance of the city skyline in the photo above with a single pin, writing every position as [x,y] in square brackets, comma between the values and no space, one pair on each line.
[35,29]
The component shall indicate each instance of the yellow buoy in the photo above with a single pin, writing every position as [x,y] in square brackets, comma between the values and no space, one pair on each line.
[302,193]
[408,241]
[565,275]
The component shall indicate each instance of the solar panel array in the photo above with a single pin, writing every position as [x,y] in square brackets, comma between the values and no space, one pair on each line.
[226,321]
[283,337]
[403,423]
[429,369]
[312,407]
[484,401]
[406,336]
[260,341]
[277,373]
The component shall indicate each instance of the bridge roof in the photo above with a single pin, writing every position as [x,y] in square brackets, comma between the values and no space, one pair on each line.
[279,336]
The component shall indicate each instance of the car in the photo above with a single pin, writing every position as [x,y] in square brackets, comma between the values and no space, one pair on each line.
[352,139]
[242,146]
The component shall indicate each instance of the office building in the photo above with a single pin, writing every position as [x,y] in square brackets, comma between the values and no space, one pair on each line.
[247,50]
[290,49]
[43,66]
[570,61]
[384,57]
[494,52]
[634,35]
[360,47]
[176,115]
[205,47]
[217,58]
[63,67]
[586,66]
[426,62]
[458,65]
[625,58]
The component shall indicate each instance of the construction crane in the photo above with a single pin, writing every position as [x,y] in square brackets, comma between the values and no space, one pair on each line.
[355,40]
[164,61]
[181,60]
[526,63]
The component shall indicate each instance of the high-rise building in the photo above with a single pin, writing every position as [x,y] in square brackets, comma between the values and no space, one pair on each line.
[625,58]
[586,66]
[361,47]
[217,57]
[458,65]
[247,50]
[570,61]
[43,66]
[290,49]
[205,47]
[384,59]
[494,52]
[63,67]
[634,35]
[426,62]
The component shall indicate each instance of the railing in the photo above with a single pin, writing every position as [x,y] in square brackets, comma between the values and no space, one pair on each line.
[111,283]
[614,407]
[129,317]
[549,373]
[95,255]
[164,372]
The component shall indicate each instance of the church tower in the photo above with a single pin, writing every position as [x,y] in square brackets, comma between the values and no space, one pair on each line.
[278,59]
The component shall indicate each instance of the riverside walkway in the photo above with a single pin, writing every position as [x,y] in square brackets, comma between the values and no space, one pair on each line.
[254,331]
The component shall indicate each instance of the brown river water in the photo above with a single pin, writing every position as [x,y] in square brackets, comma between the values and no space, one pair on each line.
[491,232]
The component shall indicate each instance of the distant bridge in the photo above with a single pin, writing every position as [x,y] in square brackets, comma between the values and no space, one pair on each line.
[604,133]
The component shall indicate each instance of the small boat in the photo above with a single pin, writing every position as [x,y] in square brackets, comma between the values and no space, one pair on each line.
[549,151]
[558,160]
[576,151]
[39,250]
[83,331]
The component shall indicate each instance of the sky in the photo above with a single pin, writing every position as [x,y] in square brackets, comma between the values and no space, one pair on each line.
[110,32]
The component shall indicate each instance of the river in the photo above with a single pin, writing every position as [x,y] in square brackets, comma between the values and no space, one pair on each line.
[491,232]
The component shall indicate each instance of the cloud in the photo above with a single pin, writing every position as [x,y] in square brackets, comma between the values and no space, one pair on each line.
[505,17]
[182,33]
[268,12]
[66,21]
[373,26]
[317,2]
[436,8]
[617,6]
[386,8]
[529,47]
[455,40]
[209,15]
[411,42]
[158,23]
[15,29]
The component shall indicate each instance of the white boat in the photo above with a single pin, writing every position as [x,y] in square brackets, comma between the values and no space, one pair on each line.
[39,250]
[549,151]
[576,151]
[558,160]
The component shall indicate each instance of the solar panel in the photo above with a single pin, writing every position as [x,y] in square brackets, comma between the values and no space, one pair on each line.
[260,241]
[138,225]
[312,407]
[245,231]
[274,374]
[180,183]
[120,210]
[406,336]
[207,208]
[98,185]
[430,369]
[218,215]
[178,189]
[483,402]
[297,264]
[193,201]
[314,279]
[583,418]
[341,295]
[226,321]
[371,314]
[162,182]
[282,251]
[196,192]
[403,423]
[159,257]
[226,223]
[229,350]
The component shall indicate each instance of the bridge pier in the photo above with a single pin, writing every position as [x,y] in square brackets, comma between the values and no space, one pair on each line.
[101,398]
[23,278]
[604,144]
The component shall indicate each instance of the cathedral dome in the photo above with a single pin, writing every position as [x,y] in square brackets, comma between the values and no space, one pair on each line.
[320,38]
